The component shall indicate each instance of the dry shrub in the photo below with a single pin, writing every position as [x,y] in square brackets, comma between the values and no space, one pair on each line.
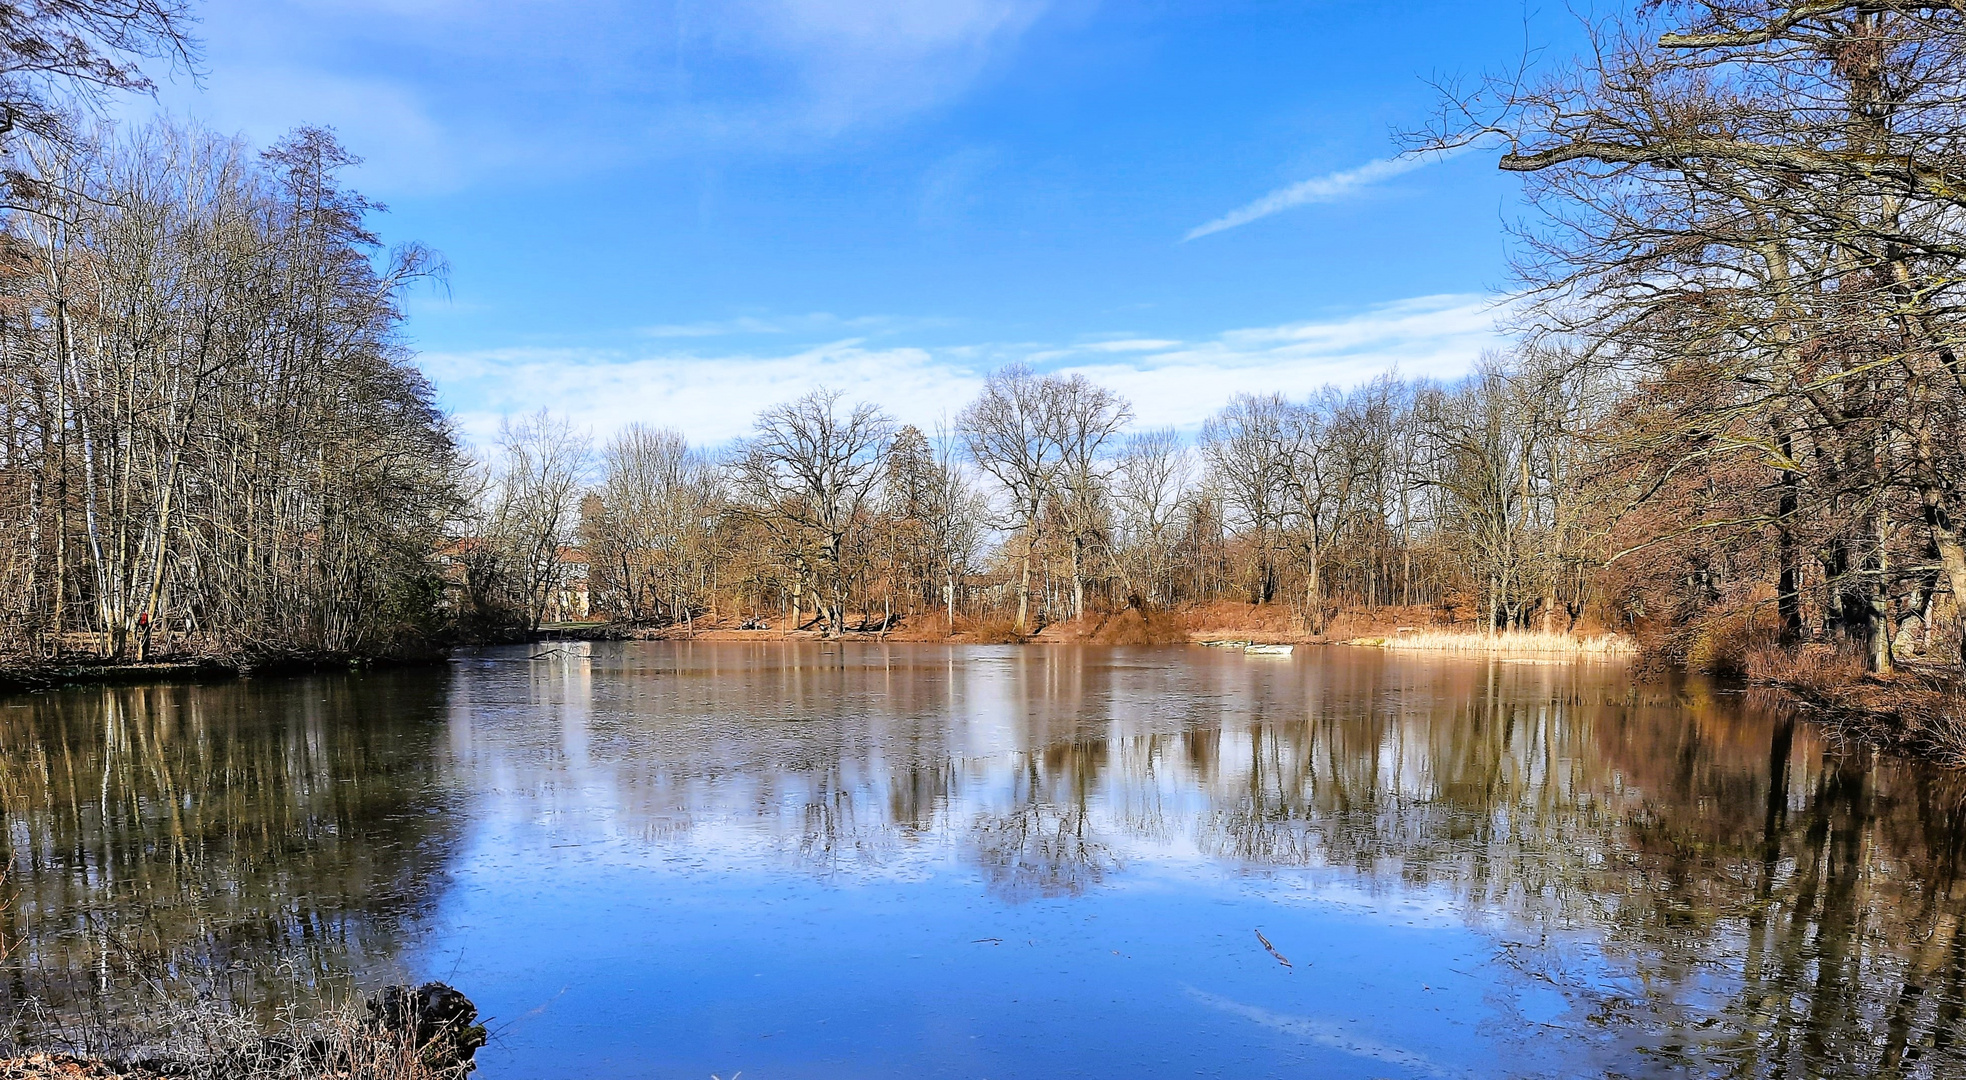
[989,630]
[1141,626]
[426,1033]
[1721,642]
[1918,712]
[1252,622]
[1811,667]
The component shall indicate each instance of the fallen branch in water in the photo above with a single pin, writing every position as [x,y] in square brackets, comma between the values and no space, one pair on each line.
[1281,959]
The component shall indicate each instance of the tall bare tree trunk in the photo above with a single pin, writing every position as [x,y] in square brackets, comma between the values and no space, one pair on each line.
[1788,584]
[1078,577]
[1024,573]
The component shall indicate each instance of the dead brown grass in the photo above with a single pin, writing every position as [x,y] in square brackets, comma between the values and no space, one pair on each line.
[428,1033]
[1513,643]
[988,631]
[1137,625]
[1914,711]
[1228,619]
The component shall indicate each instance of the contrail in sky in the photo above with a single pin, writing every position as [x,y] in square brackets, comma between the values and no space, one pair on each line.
[1322,189]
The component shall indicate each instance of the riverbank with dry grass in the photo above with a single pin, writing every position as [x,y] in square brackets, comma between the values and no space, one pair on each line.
[1273,624]
[1916,711]
[1416,628]
[429,1032]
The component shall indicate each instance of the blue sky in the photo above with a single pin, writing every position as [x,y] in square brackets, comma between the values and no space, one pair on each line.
[676,211]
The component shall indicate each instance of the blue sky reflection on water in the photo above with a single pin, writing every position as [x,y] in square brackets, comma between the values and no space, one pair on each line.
[801,860]
[679,966]
[655,885]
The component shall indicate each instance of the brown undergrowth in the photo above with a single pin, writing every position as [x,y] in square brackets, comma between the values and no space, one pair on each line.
[1528,643]
[1134,625]
[1914,711]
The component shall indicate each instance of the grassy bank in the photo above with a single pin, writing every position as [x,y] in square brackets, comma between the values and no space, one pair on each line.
[423,1033]
[1914,711]
[1417,627]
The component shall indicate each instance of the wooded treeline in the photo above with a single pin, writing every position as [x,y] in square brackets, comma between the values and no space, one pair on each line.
[1733,417]
[1041,502]
[211,432]
[212,440]
[1749,215]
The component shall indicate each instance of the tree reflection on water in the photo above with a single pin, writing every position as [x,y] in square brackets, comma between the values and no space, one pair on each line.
[1715,889]
[207,835]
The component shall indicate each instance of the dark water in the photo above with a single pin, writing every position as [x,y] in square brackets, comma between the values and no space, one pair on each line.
[820,861]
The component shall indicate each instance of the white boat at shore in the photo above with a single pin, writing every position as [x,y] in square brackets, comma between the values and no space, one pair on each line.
[1269,650]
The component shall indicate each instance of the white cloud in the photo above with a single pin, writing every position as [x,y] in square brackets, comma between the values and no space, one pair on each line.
[1345,1038]
[1330,187]
[743,324]
[1428,337]
[816,324]
[863,59]
[438,94]
[388,124]
[1125,345]
[711,397]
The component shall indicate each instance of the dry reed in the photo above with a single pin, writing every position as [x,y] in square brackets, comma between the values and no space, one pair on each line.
[1513,643]
[1921,712]
[430,1033]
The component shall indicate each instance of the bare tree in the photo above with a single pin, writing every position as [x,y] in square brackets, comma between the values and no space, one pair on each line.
[54,56]
[1090,417]
[958,518]
[1749,207]
[542,467]
[647,526]
[1011,432]
[1149,486]
[1249,461]
[814,470]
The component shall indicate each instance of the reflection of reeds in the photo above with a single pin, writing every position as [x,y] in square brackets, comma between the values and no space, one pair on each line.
[1512,643]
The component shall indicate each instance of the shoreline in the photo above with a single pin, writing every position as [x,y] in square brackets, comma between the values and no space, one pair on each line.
[79,671]
[1910,715]
[1924,723]
[427,1032]
[76,671]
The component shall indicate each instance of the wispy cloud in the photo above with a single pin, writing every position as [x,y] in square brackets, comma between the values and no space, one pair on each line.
[743,324]
[442,94]
[1131,345]
[1436,337]
[1330,187]
[711,396]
